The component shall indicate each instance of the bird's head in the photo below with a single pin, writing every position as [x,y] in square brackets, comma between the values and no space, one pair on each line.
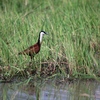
[43,32]
[41,36]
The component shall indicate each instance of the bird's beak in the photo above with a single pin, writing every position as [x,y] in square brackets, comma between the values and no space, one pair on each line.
[46,33]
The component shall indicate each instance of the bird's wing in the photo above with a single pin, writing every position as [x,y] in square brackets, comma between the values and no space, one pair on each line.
[31,50]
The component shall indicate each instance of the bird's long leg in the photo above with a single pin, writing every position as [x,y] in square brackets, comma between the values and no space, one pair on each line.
[32,58]
[31,62]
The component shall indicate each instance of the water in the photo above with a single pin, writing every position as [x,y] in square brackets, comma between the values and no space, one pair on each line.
[50,90]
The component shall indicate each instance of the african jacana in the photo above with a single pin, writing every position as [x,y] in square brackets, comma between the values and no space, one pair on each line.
[34,49]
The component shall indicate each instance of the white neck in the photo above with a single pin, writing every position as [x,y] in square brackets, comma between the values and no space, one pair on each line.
[41,36]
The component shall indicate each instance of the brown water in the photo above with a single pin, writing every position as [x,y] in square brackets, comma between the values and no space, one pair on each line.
[50,90]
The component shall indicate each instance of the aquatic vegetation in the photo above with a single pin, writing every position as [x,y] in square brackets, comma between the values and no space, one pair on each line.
[73,44]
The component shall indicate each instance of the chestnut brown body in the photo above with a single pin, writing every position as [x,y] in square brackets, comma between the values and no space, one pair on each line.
[32,50]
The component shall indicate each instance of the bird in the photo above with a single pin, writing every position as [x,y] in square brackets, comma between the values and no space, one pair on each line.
[34,49]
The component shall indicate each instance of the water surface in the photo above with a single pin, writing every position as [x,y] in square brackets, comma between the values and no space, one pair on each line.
[50,90]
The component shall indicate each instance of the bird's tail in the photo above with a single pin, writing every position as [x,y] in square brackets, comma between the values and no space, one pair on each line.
[20,53]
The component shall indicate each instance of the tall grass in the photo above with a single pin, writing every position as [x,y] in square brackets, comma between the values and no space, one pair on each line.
[74,35]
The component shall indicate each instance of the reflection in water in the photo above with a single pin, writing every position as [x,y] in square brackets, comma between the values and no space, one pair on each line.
[80,90]
[53,93]
[97,93]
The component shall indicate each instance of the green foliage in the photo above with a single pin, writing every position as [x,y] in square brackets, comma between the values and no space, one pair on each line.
[73,28]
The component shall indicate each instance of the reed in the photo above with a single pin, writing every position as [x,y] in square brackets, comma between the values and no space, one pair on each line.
[73,42]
